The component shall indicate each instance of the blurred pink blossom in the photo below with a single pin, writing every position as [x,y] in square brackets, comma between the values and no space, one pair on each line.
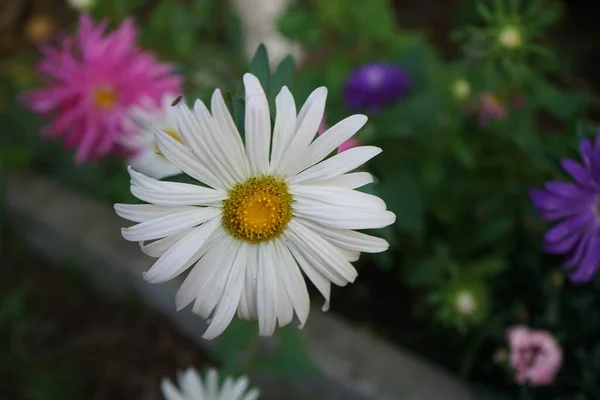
[348,144]
[491,108]
[534,355]
[91,79]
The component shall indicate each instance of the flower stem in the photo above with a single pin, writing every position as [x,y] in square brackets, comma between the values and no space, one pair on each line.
[251,353]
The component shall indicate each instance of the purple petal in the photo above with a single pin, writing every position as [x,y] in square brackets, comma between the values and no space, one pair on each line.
[589,264]
[577,172]
[570,226]
[564,246]
[566,189]
[587,151]
[563,207]
[580,251]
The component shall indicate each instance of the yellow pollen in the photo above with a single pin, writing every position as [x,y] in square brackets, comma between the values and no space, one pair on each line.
[171,132]
[257,210]
[105,97]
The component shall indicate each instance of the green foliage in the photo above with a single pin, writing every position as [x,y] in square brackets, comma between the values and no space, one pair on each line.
[240,349]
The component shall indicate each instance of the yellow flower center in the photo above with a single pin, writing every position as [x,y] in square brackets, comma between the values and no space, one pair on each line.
[257,210]
[171,132]
[105,97]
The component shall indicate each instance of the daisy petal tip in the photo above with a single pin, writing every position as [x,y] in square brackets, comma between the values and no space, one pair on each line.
[361,119]
[252,85]
[325,307]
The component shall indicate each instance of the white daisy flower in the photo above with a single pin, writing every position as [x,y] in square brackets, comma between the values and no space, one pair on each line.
[272,206]
[139,137]
[192,387]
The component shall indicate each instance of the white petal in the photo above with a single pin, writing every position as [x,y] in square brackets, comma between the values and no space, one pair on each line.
[250,285]
[330,140]
[267,291]
[217,142]
[243,310]
[158,247]
[191,385]
[348,239]
[169,224]
[212,384]
[231,136]
[144,182]
[198,137]
[258,126]
[231,296]
[208,298]
[343,217]
[337,196]
[145,212]
[285,310]
[202,197]
[202,274]
[337,165]
[349,255]
[292,279]
[308,122]
[170,391]
[321,254]
[153,165]
[352,180]
[318,96]
[238,389]
[322,284]
[252,395]
[185,160]
[285,126]
[226,388]
[168,266]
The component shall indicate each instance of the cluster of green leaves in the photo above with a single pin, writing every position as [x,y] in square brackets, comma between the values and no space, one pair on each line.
[529,20]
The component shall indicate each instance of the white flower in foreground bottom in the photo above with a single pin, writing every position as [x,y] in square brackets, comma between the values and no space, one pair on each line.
[139,139]
[192,387]
[271,209]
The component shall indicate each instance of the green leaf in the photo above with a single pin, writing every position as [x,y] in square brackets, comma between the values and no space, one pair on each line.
[463,153]
[259,67]
[403,195]
[239,110]
[493,231]
[283,76]
[486,268]
[290,358]
[233,343]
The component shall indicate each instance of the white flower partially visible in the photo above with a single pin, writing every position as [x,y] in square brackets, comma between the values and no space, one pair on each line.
[274,206]
[191,387]
[139,139]
[81,5]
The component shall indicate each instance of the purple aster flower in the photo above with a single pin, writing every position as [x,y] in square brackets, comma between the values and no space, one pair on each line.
[374,85]
[575,207]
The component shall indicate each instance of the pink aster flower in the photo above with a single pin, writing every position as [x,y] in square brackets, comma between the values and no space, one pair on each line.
[348,144]
[92,79]
[534,355]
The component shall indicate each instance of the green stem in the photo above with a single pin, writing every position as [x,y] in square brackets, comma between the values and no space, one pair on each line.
[524,392]
[251,353]
[469,358]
